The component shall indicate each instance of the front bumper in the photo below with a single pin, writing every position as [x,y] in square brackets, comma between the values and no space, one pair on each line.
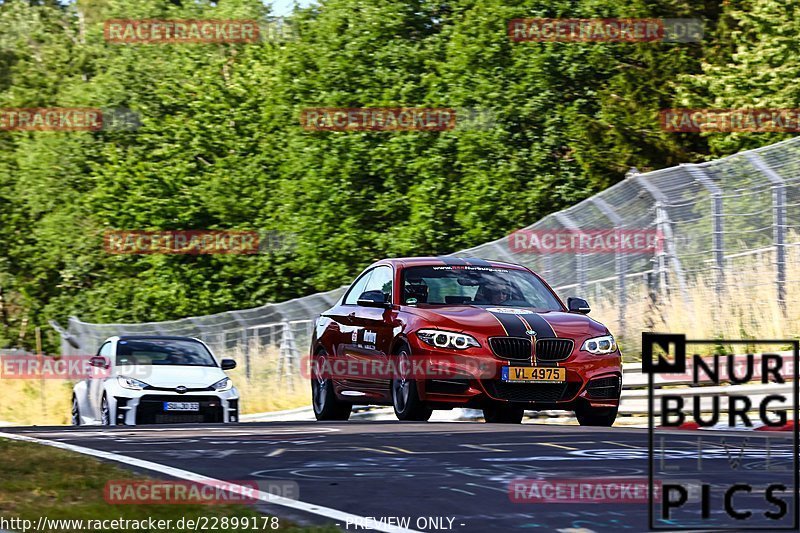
[131,408]
[473,379]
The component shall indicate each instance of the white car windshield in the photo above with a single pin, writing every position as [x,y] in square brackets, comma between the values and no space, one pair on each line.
[176,352]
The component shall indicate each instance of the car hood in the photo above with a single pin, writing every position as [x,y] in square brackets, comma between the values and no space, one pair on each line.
[173,376]
[513,321]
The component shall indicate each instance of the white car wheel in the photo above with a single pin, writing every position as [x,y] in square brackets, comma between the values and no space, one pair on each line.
[76,414]
[105,413]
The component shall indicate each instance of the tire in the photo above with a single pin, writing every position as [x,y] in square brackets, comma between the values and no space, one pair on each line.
[76,413]
[105,412]
[323,398]
[499,413]
[405,395]
[603,417]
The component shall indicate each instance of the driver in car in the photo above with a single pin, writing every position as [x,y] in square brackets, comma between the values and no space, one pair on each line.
[498,292]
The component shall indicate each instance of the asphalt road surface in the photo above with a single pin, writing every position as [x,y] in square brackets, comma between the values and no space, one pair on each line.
[456,476]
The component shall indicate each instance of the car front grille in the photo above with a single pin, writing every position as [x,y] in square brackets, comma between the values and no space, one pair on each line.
[533,392]
[604,388]
[553,349]
[151,410]
[511,348]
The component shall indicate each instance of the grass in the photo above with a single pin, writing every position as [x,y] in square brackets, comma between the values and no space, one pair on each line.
[33,401]
[43,481]
[270,387]
[747,308]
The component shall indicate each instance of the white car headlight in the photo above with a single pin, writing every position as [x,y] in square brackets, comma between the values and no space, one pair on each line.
[131,383]
[600,345]
[447,339]
[225,384]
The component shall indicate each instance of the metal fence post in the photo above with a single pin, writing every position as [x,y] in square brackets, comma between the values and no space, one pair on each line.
[718,248]
[580,258]
[661,253]
[778,223]
[664,226]
[620,264]
[245,342]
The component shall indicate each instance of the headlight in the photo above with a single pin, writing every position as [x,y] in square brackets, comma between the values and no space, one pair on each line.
[223,385]
[600,345]
[130,383]
[447,339]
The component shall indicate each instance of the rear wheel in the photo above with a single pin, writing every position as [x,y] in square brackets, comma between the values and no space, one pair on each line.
[405,395]
[323,398]
[499,413]
[588,416]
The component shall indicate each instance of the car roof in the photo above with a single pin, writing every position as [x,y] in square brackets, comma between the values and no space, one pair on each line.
[404,262]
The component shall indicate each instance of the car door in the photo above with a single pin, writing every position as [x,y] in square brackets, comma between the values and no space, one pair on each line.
[98,378]
[341,331]
[373,334]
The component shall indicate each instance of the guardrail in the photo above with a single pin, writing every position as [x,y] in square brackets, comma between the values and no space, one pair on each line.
[634,397]
[634,401]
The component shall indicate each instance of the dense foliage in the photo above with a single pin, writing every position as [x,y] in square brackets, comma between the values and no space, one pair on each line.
[220,144]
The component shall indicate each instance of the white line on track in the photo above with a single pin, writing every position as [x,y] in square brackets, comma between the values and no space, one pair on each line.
[306,507]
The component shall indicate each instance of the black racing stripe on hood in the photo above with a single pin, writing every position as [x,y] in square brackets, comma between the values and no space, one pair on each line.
[511,323]
[542,328]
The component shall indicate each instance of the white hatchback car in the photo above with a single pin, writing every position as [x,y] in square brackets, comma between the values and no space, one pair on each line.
[155,380]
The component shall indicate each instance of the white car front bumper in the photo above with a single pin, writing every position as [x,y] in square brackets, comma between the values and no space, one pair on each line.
[133,407]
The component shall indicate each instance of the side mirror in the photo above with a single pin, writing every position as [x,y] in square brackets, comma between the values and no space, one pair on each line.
[227,364]
[99,361]
[373,299]
[578,305]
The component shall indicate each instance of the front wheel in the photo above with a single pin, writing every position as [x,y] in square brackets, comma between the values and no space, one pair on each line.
[589,416]
[76,413]
[498,413]
[405,396]
[105,412]
[323,398]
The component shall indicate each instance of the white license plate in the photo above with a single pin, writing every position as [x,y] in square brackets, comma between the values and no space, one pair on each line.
[181,406]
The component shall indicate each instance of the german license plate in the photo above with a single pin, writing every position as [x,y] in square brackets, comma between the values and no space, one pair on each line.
[181,406]
[533,374]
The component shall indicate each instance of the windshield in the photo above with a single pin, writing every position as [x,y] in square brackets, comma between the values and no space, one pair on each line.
[471,285]
[163,352]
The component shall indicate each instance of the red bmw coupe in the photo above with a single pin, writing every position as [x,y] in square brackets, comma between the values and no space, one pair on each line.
[441,332]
